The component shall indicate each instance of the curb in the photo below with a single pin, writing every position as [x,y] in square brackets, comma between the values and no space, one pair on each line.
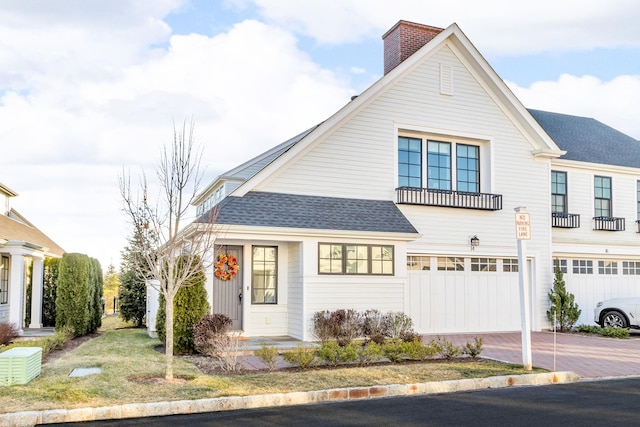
[182,407]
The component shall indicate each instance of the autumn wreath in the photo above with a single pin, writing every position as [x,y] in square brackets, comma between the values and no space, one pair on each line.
[226,267]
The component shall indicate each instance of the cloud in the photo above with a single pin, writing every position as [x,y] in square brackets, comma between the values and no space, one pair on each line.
[495,26]
[615,102]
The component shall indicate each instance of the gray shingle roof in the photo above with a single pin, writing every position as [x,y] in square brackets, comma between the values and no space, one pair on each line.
[588,140]
[313,212]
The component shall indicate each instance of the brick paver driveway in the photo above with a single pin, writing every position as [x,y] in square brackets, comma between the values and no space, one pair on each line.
[587,356]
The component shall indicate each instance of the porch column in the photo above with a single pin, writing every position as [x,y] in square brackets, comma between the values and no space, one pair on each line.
[37,285]
[16,277]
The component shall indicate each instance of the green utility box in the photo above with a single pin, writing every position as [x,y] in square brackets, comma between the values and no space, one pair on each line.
[20,365]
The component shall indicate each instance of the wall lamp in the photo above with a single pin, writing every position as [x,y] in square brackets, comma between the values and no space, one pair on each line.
[475,242]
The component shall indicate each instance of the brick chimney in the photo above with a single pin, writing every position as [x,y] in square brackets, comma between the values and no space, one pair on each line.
[403,40]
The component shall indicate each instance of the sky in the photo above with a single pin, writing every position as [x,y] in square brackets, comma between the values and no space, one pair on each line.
[92,88]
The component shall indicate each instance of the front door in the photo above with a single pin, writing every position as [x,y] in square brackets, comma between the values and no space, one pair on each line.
[227,294]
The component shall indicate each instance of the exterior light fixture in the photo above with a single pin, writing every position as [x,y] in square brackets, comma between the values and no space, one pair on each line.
[475,242]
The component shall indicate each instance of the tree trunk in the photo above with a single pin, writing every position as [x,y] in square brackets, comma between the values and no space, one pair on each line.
[169,337]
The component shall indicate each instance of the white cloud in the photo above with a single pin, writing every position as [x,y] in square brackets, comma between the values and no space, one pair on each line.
[495,26]
[615,102]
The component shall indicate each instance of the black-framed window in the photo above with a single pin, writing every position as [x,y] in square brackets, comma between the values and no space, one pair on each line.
[4,280]
[468,168]
[355,259]
[438,165]
[558,192]
[602,196]
[638,200]
[409,162]
[264,275]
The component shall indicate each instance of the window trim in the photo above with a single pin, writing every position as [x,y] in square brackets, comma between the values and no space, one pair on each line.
[275,276]
[370,260]
[596,198]
[4,280]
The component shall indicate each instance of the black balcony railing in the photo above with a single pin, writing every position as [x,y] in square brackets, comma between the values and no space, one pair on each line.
[608,223]
[565,220]
[448,198]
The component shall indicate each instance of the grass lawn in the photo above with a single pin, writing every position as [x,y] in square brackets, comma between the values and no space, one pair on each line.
[133,371]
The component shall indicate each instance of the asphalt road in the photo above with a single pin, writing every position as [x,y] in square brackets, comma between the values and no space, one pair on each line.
[585,403]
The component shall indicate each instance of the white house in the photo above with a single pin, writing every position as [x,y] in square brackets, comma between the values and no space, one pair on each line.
[404,201]
[22,246]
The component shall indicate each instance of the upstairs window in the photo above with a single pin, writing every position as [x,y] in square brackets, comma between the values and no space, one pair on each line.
[602,195]
[558,192]
[409,162]
[638,199]
[438,165]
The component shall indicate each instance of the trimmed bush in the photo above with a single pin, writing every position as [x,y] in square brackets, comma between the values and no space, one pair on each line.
[301,356]
[50,282]
[375,326]
[333,353]
[607,331]
[369,353]
[268,354]
[564,310]
[72,298]
[346,325]
[400,326]
[474,349]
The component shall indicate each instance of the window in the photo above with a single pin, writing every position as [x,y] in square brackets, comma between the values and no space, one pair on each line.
[638,200]
[631,268]
[602,194]
[560,263]
[409,162]
[444,164]
[450,264]
[607,267]
[468,168]
[343,258]
[510,265]
[439,165]
[582,266]
[483,264]
[558,192]
[4,280]
[264,278]
[418,262]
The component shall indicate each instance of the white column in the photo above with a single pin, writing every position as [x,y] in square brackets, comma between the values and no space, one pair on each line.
[37,285]
[16,277]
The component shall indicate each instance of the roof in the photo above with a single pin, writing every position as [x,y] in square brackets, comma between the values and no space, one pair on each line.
[588,140]
[13,229]
[312,212]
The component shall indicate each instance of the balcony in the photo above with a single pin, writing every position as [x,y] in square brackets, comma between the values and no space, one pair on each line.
[448,198]
[565,220]
[608,223]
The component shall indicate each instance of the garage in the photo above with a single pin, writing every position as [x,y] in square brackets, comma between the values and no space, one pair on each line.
[449,294]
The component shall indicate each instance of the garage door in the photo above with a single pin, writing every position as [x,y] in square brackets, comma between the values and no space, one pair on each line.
[463,294]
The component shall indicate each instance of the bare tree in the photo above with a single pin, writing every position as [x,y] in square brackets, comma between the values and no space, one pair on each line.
[177,252]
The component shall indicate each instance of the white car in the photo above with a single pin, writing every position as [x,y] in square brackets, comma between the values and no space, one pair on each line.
[618,313]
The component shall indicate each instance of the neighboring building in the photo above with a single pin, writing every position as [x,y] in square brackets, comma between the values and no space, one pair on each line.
[22,246]
[404,201]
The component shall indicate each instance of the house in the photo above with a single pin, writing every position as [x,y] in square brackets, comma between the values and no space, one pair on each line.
[404,200]
[23,249]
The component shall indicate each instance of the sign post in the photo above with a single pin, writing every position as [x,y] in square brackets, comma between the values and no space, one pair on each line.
[523,233]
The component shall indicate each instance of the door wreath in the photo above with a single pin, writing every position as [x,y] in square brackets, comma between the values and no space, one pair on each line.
[226,267]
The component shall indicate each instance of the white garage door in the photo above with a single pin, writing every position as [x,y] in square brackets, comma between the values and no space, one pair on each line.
[457,294]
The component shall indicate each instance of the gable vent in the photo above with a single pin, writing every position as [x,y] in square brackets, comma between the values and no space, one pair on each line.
[446,79]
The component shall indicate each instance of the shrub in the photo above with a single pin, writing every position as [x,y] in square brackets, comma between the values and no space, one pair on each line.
[346,325]
[564,310]
[72,296]
[333,353]
[393,350]
[50,282]
[416,350]
[447,349]
[474,349]
[211,332]
[189,306]
[8,331]
[268,354]
[322,328]
[607,332]
[301,356]
[375,326]
[369,353]
[58,340]
[401,327]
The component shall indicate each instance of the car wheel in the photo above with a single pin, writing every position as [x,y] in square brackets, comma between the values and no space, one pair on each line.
[614,319]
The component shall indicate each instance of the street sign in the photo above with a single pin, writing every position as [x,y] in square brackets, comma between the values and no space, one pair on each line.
[523,226]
